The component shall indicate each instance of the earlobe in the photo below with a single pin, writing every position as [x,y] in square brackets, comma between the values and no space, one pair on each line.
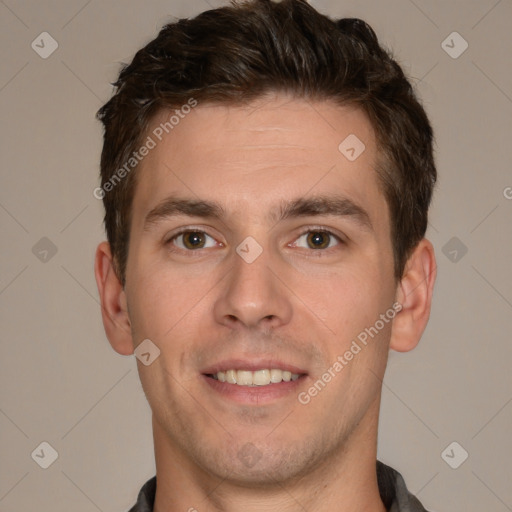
[114,311]
[414,293]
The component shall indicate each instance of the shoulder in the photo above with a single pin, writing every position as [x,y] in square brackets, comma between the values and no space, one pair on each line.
[146,497]
[394,493]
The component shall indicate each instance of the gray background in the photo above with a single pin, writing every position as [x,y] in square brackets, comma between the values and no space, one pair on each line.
[62,383]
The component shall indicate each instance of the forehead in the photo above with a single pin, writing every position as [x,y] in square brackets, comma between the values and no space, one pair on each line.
[249,157]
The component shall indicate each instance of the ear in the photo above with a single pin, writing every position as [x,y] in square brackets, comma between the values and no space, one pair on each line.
[114,311]
[414,293]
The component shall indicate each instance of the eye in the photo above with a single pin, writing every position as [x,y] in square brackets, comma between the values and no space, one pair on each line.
[318,239]
[191,240]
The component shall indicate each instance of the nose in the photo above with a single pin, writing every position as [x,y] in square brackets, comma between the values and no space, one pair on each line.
[253,296]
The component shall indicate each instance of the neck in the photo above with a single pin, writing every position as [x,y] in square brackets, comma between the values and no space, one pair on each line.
[345,481]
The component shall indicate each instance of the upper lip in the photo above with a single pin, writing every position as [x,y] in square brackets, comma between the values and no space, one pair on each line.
[253,364]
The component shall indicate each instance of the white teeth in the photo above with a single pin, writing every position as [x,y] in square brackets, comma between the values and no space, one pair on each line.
[258,378]
[244,378]
[261,377]
[276,376]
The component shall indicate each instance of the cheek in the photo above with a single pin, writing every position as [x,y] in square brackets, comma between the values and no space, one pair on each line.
[164,300]
[348,299]
[153,299]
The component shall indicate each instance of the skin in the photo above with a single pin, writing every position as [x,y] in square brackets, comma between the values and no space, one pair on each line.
[295,303]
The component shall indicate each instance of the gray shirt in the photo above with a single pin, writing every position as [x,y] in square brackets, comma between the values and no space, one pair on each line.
[392,489]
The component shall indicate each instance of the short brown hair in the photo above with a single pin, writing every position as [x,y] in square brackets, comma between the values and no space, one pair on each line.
[241,52]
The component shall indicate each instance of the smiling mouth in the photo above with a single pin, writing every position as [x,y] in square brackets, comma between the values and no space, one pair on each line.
[262,377]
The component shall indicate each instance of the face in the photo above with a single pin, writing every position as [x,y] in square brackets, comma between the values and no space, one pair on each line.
[259,253]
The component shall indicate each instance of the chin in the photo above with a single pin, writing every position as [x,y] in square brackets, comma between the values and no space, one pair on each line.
[250,465]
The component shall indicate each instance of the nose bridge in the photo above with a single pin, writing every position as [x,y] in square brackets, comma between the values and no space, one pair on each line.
[252,293]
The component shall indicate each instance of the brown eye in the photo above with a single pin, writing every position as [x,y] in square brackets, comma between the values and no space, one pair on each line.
[191,240]
[318,239]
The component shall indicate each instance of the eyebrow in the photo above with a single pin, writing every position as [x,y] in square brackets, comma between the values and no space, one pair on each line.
[331,205]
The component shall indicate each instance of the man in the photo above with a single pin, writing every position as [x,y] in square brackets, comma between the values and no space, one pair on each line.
[266,174]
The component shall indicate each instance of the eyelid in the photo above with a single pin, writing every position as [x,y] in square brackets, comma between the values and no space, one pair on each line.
[322,229]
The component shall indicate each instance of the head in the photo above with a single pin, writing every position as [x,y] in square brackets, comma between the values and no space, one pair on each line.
[263,95]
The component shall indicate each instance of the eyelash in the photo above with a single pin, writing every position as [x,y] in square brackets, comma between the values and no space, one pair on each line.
[309,229]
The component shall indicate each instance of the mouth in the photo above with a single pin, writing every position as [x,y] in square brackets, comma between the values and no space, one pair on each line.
[256,381]
[263,377]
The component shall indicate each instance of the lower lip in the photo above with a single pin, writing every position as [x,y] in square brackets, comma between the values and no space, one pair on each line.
[254,394]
